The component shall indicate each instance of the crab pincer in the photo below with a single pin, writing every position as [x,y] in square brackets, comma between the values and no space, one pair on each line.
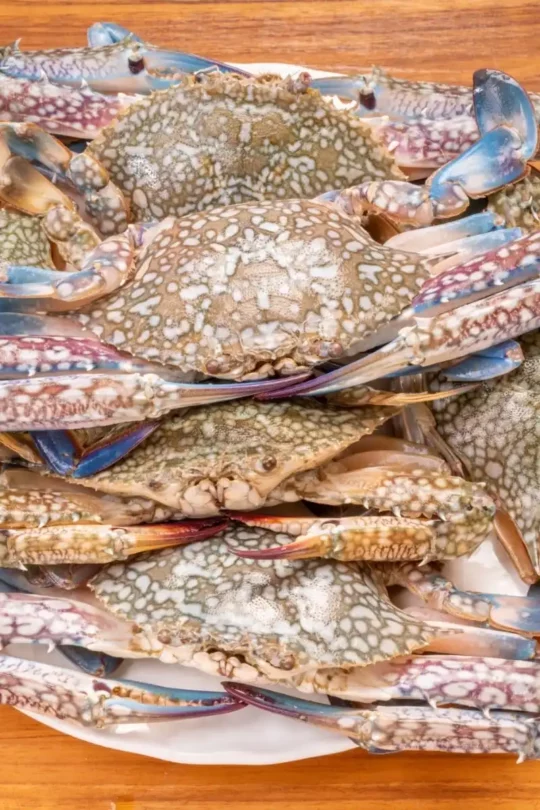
[100,702]
[508,140]
[387,729]
[118,64]
[92,662]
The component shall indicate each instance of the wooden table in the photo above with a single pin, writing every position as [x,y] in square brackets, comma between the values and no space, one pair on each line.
[436,39]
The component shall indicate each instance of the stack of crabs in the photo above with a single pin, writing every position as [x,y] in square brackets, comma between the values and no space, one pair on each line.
[255,374]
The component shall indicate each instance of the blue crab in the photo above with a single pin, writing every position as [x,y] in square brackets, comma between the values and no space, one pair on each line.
[318,626]
[507,460]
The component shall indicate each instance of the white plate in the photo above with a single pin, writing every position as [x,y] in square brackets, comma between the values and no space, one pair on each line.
[250,736]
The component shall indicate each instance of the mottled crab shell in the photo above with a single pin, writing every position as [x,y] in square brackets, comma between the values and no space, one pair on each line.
[519,204]
[256,289]
[280,616]
[226,139]
[23,240]
[495,429]
[233,455]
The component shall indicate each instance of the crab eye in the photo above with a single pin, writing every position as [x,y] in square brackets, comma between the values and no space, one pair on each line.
[135,63]
[266,464]
[367,100]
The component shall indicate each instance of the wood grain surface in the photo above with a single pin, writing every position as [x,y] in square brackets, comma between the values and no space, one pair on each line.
[439,39]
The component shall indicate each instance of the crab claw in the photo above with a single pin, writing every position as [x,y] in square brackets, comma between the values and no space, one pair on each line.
[385,729]
[89,701]
[64,456]
[517,613]
[372,538]
[500,101]
[507,124]
[77,382]
[106,33]
[93,663]
[96,543]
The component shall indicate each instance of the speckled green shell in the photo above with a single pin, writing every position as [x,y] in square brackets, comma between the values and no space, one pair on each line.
[519,204]
[23,240]
[224,140]
[256,289]
[496,430]
[278,615]
[201,460]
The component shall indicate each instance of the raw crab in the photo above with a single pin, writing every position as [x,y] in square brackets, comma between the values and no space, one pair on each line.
[314,625]
[204,142]
[191,295]
[238,457]
[507,459]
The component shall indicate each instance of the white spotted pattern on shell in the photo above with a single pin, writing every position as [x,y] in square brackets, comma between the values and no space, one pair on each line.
[217,456]
[519,204]
[23,240]
[256,289]
[507,459]
[226,139]
[278,615]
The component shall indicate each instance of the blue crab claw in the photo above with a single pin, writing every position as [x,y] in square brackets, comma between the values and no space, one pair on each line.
[509,138]
[493,362]
[97,702]
[514,613]
[53,366]
[108,33]
[500,157]
[63,454]
[158,59]
[500,101]
[319,714]
[391,728]
[92,662]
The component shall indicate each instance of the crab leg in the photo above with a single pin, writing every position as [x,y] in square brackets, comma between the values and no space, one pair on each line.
[128,65]
[386,729]
[31,619]
[89,701]
[479,683]
[94,543]
[94,663]
[106,268]
[400,99]
[21,184]
[463,512]
[485,365]
[76,112]
[517,613]
[417,145]
[372,538]
[80,383]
